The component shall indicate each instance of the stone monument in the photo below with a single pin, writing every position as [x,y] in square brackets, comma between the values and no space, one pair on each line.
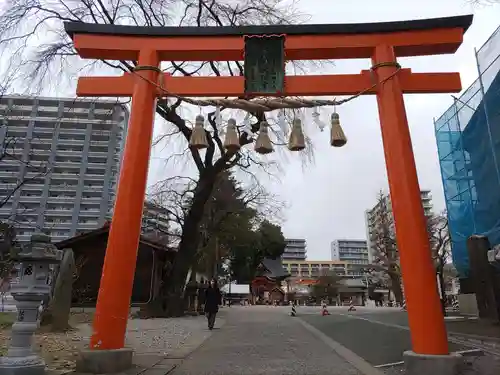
[32,289]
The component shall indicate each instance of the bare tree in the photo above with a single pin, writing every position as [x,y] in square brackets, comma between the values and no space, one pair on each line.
[8,246]
[8,154]
[29,154]
[383,239]
[327,286]
[483,2]
[173,195]
[440,241]
[23,21]
[386,257]
[157,222]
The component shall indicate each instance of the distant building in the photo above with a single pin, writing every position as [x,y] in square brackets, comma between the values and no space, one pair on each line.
[351,251]
[374,216]
[310,269]
[156,222]
[66,152]
[295,250]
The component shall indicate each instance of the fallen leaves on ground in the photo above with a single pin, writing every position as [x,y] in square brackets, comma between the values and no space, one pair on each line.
[58,349]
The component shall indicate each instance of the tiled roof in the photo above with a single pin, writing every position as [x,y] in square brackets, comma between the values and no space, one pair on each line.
[274,268]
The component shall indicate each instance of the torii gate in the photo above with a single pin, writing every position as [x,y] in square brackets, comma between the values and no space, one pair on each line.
[380,42]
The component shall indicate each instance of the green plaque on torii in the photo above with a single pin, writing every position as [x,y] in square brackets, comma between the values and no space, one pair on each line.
[264,64]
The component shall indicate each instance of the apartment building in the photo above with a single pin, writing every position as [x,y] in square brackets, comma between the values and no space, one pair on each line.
[60,163]
[350,251]
[295,250]
[374,216]
[312,269]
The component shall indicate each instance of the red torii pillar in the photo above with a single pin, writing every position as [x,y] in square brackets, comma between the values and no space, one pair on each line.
[382,42]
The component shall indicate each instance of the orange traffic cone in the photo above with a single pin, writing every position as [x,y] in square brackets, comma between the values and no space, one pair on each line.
[324,310]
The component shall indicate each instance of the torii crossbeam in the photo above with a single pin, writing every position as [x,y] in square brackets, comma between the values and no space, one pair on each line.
[383,43]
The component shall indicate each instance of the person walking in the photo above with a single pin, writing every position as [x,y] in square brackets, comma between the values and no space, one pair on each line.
[213,298]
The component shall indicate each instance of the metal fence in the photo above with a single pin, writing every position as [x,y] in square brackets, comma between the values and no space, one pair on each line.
[468,142]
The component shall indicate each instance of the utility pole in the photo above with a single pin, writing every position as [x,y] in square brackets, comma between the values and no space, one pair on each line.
[229,288]
[216,257]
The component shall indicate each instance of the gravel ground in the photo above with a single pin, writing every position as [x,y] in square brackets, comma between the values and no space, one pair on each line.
[485,365]
[394,370]
[172,338]
[59,350]
[152,338]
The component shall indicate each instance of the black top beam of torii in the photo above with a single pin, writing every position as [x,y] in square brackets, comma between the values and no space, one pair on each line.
[462,22]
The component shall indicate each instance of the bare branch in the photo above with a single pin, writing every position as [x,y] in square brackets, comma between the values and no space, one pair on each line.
[39,57]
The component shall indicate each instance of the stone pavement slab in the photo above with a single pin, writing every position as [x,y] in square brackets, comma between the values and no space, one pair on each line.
[262,340]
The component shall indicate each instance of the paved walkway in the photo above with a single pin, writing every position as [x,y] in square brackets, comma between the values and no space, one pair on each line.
[263,340]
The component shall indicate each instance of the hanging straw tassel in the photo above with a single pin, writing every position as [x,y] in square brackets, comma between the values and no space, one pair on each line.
[232,142]
[297,141]
[337,136]
[263,143]
[198,138]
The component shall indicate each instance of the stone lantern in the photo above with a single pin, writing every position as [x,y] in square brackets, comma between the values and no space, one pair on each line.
[32,289]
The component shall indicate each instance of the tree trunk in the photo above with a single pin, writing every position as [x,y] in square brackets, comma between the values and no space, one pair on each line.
[190,239]
[440,273]
[443,293]
[396,287]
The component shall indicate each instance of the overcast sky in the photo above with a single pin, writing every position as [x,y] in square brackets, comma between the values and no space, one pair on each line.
[328,200]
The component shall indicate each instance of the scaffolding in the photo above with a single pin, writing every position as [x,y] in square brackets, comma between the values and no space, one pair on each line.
[468,142]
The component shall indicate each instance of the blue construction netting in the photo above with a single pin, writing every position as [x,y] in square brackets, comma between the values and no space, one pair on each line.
[468,140]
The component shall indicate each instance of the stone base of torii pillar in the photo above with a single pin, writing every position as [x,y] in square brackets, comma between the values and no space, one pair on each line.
[421,364]
[104,361]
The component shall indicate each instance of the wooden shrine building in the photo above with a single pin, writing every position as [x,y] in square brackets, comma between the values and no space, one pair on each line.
[89,248]
[266,286]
